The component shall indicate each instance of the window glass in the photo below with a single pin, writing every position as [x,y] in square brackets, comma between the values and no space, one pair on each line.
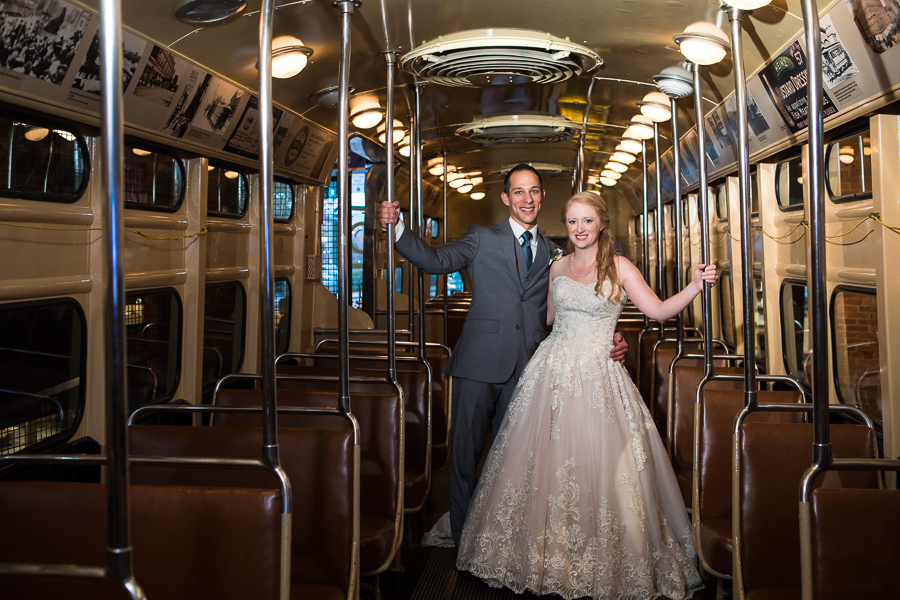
[433,287]
[330,237]
[153,180]
[795,331]
[759,320]
[283,196]
[224,318]
[849,172]
[398,280]
[435,228]
[726,302]
[282,315]
[455,283]
[722,202]
[153,331]
[227,191]
[854,330]
[42,371]
[41,161]
[789,182]
[754,192]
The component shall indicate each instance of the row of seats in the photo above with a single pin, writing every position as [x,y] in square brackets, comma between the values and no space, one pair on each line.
[743,491]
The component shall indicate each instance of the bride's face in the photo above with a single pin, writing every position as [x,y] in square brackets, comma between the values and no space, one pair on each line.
[583,225]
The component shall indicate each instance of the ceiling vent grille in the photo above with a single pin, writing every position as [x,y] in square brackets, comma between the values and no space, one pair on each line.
[520,129]
[493,57]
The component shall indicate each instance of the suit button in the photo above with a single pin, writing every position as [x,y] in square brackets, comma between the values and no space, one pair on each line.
[526,279]
[523,298]
[517,326]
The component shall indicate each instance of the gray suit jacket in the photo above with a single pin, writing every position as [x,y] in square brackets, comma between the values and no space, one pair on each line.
[506,321]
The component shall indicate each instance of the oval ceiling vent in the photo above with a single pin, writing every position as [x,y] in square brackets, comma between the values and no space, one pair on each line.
[488,57]
[520,129]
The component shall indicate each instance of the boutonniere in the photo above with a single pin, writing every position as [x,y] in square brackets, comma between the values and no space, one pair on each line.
[556,255]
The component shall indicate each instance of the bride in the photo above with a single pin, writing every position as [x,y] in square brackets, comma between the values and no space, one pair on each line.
[577,496]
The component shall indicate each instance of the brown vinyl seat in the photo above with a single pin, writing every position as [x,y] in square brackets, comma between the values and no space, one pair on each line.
[376,406]
[190,542]
[663,355]
[318,462]
[631,330]
[712,517]
[686,377]
[853,535]
[772,458]
[414,378]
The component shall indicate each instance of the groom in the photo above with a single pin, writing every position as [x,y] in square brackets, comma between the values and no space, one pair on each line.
[509,265]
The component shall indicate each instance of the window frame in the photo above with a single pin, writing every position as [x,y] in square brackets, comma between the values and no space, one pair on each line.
[52,124]
[65,435]
[833,341]
[829,147]
[778,165]
[292,186]
[243,175]
[132,142]
[784,356]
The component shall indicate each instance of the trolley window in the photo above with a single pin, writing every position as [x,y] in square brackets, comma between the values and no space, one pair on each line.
[154,179]
[722,202]
[789,183]
[759,319]
[227,191]
[754,191]
[42,373]
[433,287]
[224,318]
[795,341]
[41,160]
[854,345]
[282,315]
[455,283]
[849,168]
[726,308]
[283,197]
[153,332]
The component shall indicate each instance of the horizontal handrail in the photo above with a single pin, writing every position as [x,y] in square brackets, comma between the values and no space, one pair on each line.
[844,464]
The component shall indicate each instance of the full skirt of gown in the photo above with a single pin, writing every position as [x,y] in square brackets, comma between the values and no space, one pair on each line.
[577,496]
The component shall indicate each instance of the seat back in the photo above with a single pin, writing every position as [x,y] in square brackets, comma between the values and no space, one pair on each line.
[685,378]
[771,460]
[318,462]
[646,345]
[853,536]
[663,355]
[189,542]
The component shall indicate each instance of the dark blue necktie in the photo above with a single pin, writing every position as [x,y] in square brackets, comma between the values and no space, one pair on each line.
[525,240]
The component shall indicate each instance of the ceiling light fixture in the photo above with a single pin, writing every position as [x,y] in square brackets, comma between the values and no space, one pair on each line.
[640,127]
[655,106]
[703,43]
[748,4]
[141,152]
[328,97]
[204,12]
[616,166]
[290,58]
[230,174]
[608,182]
[404,150]
[476,195]
[36,134]
[610,174]
[465,189]
[630,145]
[399,132]
[623,157]
[368,118]
[458,182]
[675,82]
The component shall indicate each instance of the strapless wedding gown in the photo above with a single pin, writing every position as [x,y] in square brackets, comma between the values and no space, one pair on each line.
[577,497]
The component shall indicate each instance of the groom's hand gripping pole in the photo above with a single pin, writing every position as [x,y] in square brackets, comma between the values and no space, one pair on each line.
[388,214]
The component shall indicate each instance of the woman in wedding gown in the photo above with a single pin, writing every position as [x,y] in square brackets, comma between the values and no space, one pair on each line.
[577,497]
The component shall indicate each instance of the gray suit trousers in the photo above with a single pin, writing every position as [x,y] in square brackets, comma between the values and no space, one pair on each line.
[478,409]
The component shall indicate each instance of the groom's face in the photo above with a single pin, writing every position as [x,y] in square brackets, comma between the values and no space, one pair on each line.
[524,198]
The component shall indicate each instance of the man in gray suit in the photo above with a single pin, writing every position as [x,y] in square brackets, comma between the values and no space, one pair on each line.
[508,264]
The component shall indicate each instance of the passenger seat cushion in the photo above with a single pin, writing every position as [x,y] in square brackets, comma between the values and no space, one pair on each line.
[716,544]
[376,536]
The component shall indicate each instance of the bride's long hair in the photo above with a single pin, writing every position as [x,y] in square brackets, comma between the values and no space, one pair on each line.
[606,244]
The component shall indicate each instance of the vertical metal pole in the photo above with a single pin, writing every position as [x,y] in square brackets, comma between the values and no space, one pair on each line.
[678,207]
[578,174]
[115,385]
[346,7]
[645,238]
[389,58]
[816,270]
[740,96]
[413,225]
[266,255]
[420,213]
[706,296]
[447,276]
[660,236]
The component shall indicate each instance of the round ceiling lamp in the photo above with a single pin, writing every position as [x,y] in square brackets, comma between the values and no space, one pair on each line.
[404,150]
[630,145]
[458,182]
[610,174]
[399,132]
[289,56]
[703,43]
[748,4]
[368,118]
[616,166]
[607,181]
[623,157]
[477,195]
[465,189]
[655,106]
[141,151]
[640,127]
[204,12]
[438,169]
[675,82]
[36,134]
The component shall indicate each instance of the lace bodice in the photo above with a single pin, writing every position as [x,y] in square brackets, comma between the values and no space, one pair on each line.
[581,316]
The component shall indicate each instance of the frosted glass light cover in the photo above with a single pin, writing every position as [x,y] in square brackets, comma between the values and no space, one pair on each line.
[704,51]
